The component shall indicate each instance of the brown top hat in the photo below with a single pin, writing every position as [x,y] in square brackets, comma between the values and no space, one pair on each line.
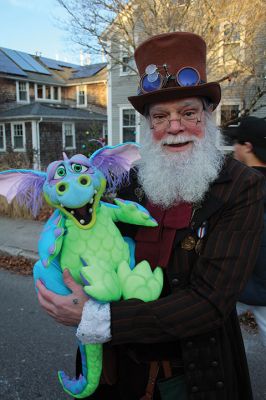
[172,66]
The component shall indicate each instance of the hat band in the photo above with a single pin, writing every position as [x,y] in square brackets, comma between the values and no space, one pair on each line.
[153,80]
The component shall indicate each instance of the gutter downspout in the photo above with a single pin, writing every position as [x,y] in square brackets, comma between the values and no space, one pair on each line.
[36,144]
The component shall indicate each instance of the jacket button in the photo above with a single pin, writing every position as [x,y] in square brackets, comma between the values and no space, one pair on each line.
[189,344]
[191,366]
[213,340]
[214,364]
[194,389]
[219,385]
[175,282]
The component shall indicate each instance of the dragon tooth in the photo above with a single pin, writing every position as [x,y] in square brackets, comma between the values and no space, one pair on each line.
[91,201]
[82,221]
[90,210]
[72,212]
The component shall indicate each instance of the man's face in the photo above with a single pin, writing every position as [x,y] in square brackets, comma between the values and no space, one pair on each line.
[175,122]
[240,152]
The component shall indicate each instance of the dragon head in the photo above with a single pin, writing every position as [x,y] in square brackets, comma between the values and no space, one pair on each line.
[74,186]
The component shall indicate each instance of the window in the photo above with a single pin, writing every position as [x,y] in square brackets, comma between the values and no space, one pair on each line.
[128,125]
[127,61]
[56,93]
[18,136]
[69,141]
[22,90]
[2,138]
[232,44]
[81,96]
[229,112]
[40,93]
[47,92]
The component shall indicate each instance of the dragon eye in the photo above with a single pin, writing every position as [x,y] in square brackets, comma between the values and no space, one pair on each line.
[79,168]
[60,172]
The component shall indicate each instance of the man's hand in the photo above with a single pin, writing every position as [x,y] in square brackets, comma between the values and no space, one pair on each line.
[64,309]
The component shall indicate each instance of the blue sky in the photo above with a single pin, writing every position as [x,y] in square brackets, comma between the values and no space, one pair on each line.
[32,26]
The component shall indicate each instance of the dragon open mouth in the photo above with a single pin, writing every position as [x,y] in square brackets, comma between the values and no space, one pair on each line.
[83,214]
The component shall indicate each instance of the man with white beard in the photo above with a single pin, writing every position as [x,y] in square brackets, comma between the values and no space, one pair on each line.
[187,345]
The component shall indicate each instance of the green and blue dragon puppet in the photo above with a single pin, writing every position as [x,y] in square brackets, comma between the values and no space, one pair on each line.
[81,235]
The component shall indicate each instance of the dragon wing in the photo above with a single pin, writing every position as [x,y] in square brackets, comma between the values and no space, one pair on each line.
[115,162]
[24,184]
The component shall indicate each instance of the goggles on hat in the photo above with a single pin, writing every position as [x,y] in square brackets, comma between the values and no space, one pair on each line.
[153,80]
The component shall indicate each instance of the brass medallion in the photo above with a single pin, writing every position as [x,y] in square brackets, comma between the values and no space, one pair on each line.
[188,243]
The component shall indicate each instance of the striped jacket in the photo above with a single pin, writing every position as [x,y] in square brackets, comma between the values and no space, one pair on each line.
[194,321]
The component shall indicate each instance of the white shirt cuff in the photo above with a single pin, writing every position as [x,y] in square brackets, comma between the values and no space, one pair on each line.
[95,324]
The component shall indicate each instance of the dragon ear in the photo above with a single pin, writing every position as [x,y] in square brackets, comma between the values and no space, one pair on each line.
[26,185]
[115,162]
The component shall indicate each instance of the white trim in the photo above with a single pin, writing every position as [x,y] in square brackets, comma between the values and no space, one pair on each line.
[109,101]
[36,144]
[23,149]
[27,92]
[85,95]
[73,135]
[123,107]
[4,138]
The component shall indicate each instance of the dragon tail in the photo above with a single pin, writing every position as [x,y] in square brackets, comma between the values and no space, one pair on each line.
[87,383]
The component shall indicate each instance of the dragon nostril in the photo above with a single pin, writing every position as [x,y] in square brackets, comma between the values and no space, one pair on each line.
[84,181]
[62,187]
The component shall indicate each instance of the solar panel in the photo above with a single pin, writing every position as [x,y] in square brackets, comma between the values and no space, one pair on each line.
[88,70]
[9,67]
[33,63]
[50,63]
[25,61]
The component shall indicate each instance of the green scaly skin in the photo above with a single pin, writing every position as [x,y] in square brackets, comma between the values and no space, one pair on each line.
[106,257]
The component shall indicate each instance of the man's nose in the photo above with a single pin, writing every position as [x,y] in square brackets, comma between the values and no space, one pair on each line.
[175,126]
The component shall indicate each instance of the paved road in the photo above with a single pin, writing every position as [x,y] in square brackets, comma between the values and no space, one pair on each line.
[32,346]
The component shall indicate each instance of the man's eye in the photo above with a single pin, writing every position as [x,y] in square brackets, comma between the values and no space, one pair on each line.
[189,114]
[78,168]
[60,172]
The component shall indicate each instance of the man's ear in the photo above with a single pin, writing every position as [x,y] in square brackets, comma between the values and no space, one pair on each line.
[248,147]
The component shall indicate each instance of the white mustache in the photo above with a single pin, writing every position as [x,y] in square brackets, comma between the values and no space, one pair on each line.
[171,139]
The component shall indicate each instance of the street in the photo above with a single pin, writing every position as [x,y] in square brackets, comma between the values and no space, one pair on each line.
[34,347]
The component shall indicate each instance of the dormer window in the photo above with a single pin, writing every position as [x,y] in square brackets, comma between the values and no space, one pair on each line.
[22,92]
[82,96]
[47,93]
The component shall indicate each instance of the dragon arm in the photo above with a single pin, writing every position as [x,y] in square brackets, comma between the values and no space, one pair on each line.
[129,212]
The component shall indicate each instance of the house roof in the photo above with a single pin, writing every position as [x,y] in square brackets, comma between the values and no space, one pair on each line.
[18,64]
[50,111]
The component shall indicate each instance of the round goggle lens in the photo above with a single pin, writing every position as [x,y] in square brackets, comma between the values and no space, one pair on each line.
[150,69]
[151,85]
[188,77]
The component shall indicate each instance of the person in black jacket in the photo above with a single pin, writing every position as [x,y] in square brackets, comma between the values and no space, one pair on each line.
[250,148]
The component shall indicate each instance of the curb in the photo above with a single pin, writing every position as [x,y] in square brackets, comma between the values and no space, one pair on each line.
[17,252]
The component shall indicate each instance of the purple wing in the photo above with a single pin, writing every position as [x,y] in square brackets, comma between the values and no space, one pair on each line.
[115,162]
[25,185]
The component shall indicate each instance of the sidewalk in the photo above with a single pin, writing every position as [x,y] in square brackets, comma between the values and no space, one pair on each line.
[19,237]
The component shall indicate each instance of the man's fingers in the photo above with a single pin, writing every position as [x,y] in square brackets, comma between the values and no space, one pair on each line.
[69,281]
[47,294]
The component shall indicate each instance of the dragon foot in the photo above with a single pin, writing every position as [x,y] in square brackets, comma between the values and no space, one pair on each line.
[141,282]
[101,284]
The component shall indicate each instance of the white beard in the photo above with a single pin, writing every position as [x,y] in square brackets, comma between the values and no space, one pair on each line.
[171,178]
